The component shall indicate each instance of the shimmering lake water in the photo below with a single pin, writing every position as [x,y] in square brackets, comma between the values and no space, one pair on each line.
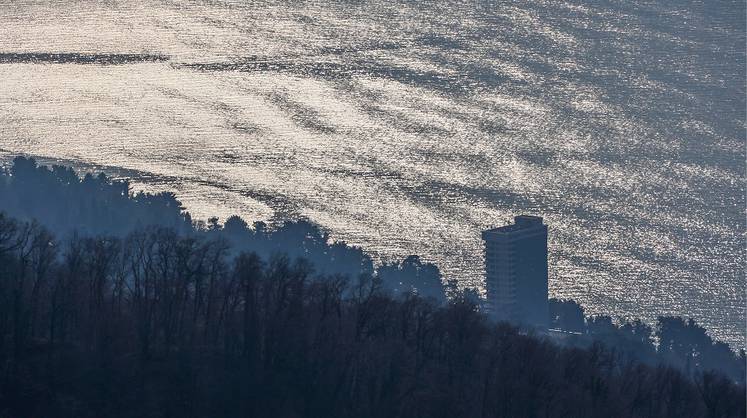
[407,127]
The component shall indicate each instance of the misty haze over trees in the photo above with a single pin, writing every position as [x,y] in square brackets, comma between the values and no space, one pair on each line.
[96,205]
[114,304]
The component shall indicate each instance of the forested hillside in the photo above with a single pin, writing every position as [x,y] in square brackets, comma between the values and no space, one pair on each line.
[142,313]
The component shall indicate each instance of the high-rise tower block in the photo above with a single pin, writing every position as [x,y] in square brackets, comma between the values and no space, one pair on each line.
[516,271]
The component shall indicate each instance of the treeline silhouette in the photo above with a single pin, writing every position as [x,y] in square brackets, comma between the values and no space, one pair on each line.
[67,204]
[682,343]
[136,310]
[164,325]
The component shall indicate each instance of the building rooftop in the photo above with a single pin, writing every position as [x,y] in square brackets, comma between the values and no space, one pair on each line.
[521,222]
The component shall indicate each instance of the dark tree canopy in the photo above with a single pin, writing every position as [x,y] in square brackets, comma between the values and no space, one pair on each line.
[682,344]
[162,324]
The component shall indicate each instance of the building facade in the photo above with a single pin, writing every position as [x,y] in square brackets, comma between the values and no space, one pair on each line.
[516,272]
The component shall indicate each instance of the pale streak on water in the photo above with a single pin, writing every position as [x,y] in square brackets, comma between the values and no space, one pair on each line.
[407,128]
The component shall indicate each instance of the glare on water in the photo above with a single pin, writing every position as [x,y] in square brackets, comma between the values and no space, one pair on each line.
[407,128]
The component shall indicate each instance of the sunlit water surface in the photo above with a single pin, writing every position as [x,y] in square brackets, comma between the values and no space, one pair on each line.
[407,128]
